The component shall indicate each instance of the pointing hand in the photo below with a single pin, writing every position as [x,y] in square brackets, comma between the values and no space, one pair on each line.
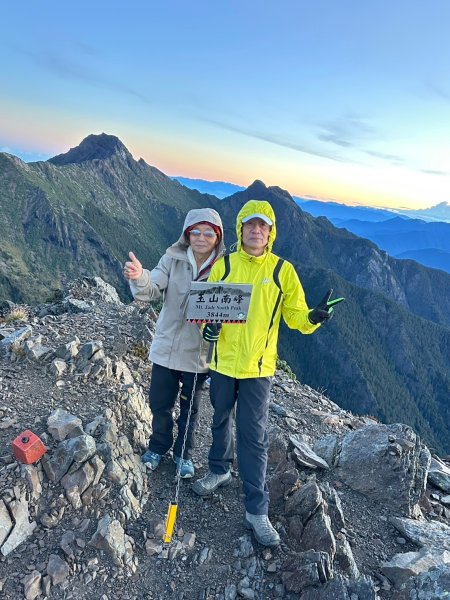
[133,268]
[324,310]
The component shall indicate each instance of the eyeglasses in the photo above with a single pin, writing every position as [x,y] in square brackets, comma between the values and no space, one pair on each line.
[209,233]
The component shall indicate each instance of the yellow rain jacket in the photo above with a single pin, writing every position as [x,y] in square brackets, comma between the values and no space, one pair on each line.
[250,349]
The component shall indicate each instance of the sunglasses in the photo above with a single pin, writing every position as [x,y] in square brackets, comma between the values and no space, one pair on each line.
[209,233]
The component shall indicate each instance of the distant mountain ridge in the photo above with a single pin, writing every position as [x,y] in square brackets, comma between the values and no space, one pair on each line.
[376,356]
[430,257]
[426,242]
[341,212]
[329,209]
[220,189]
[404,236]
[386,351]
[439,212]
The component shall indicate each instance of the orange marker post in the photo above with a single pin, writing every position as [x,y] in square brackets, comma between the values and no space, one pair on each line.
[28,448]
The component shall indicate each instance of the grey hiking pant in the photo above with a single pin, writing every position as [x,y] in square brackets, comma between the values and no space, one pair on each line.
[251,397]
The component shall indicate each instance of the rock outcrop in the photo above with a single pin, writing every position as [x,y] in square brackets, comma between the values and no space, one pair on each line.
[362,509]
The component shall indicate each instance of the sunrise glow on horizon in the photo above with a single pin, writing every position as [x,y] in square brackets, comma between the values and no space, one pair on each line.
[347,103]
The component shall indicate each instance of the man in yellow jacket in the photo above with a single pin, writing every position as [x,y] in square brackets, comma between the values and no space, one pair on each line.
[244,361]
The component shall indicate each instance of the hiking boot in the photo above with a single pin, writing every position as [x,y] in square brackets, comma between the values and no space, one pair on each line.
[262,528]
[210,482]
[186,467]
[151,459]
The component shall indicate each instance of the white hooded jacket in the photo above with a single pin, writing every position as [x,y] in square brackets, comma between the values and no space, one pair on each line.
[176,343]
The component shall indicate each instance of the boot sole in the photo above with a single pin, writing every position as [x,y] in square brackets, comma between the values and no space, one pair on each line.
[188,476]
[149,467]
[273,544]
[205,493]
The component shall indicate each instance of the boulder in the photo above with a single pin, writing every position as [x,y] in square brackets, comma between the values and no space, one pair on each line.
[386,463]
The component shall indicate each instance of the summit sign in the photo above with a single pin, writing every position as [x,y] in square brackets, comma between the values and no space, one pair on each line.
[218,302]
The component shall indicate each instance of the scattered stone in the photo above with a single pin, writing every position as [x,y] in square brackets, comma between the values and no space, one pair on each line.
[305,455]
[57,569]
[433,584]
[15,338]
[68,456]
[22,528]
[110,537]
[439,475]
[152,547]
[365,460]
[61,424]
[424,533]
[6,523]
[306,569]
[403,566]
[189,540]
[32,585]
[101,484]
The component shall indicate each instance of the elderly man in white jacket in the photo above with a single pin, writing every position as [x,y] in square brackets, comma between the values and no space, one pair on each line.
[176,345]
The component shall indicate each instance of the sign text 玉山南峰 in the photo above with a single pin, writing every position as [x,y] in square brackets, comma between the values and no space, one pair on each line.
[218,302]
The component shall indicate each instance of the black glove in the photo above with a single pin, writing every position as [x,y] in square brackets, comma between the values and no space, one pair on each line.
[324,310]
[211,332]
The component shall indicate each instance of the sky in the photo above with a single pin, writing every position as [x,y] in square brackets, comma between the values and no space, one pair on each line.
[346,101]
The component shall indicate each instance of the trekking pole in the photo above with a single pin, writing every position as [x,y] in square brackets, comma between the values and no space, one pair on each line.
[173,506]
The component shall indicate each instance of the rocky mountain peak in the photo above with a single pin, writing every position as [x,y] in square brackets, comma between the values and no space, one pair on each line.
[259,191]
[87,517]
[100,147]
[257,188]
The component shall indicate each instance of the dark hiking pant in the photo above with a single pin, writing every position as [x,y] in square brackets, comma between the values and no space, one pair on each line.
[164,388]
[251,397]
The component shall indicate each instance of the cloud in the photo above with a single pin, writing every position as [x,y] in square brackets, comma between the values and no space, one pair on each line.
[353,132]
[393,158]
[341,140]
[398,161]
[67,68]
[86,48]
[348,131]
[441,92]
[330,137]
[434,172]
[277,140]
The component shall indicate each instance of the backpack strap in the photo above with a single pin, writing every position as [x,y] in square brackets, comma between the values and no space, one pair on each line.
[276,274]
[276,279]
[226,260]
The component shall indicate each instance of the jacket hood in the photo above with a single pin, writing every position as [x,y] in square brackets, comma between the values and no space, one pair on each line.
[197,215]
[253,207]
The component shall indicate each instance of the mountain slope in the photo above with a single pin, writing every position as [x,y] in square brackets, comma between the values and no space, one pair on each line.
[406,238]
[381,354]
[429,257]
[316,243]
[386,351]
[81,212]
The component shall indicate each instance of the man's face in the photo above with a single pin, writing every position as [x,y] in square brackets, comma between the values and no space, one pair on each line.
[255,236]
